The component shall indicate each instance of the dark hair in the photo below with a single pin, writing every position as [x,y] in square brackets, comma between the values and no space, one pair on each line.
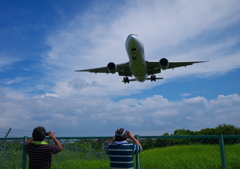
[39,134]
[121,134]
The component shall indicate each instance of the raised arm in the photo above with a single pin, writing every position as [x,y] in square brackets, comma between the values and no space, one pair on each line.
[135,141]
[56,142]
[29,140]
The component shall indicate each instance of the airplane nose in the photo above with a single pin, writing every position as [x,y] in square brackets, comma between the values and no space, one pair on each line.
[131,39]
[132,35]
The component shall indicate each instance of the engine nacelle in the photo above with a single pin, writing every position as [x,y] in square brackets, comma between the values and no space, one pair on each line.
[112,68]
[163,63]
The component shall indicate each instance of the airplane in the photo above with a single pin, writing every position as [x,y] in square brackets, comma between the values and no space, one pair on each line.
[137,66]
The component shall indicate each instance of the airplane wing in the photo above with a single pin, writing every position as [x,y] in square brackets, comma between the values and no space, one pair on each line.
[122,69]
[154,67]
[173,65]
[94,70]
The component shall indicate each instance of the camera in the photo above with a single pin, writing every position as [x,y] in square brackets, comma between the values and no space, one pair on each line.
[47,133]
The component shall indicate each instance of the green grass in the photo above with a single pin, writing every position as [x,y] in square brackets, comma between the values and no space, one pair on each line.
[189,157]
[172,157]
[72,164]
[71,160]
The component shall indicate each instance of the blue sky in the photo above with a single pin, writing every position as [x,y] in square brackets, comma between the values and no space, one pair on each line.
[43,42]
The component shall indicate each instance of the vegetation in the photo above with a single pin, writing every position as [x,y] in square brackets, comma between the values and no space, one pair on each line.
[188,157]
[169,141]
[179,156]
[225,129]
[159,152]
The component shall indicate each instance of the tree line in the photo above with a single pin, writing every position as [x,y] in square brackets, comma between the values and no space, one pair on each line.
[225,129]
[220,129]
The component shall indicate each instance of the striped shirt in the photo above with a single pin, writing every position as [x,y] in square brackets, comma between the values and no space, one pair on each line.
[121,155]
[40,155]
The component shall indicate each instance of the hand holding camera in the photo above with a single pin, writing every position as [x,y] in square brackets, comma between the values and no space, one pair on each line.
[50,134]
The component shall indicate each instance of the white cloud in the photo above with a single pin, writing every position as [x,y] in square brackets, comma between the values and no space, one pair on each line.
[16,80]
[7,61]
[185,94]
[92,116]
[49,95]
[79,104]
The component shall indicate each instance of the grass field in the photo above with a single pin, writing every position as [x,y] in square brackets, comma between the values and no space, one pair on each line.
[190,157]
[182,157]
[174,157]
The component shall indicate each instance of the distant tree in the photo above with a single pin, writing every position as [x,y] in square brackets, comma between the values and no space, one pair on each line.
[220,129]
[165,134]
[227,129]
[208,131]
[183,132]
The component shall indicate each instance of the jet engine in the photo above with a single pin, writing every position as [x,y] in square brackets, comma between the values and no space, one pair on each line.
[112,68]
[163,63]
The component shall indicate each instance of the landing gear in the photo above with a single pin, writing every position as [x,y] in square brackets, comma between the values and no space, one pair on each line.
[153,78]
[126,80]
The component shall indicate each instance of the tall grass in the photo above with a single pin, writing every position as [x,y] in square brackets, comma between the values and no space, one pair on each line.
[189,157]
[173,157]
[87,160]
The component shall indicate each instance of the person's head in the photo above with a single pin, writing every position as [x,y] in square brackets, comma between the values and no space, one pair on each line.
[39,134]
[121,134]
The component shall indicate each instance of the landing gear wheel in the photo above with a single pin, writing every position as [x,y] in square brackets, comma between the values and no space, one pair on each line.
[153,78]
[125,80]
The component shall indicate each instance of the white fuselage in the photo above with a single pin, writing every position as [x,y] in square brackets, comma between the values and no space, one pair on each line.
[137,63]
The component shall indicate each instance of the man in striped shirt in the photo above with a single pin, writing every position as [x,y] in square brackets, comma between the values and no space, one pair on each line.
[120,151]
[39,151]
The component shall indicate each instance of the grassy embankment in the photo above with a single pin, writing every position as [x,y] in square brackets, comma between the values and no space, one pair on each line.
[174,157]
